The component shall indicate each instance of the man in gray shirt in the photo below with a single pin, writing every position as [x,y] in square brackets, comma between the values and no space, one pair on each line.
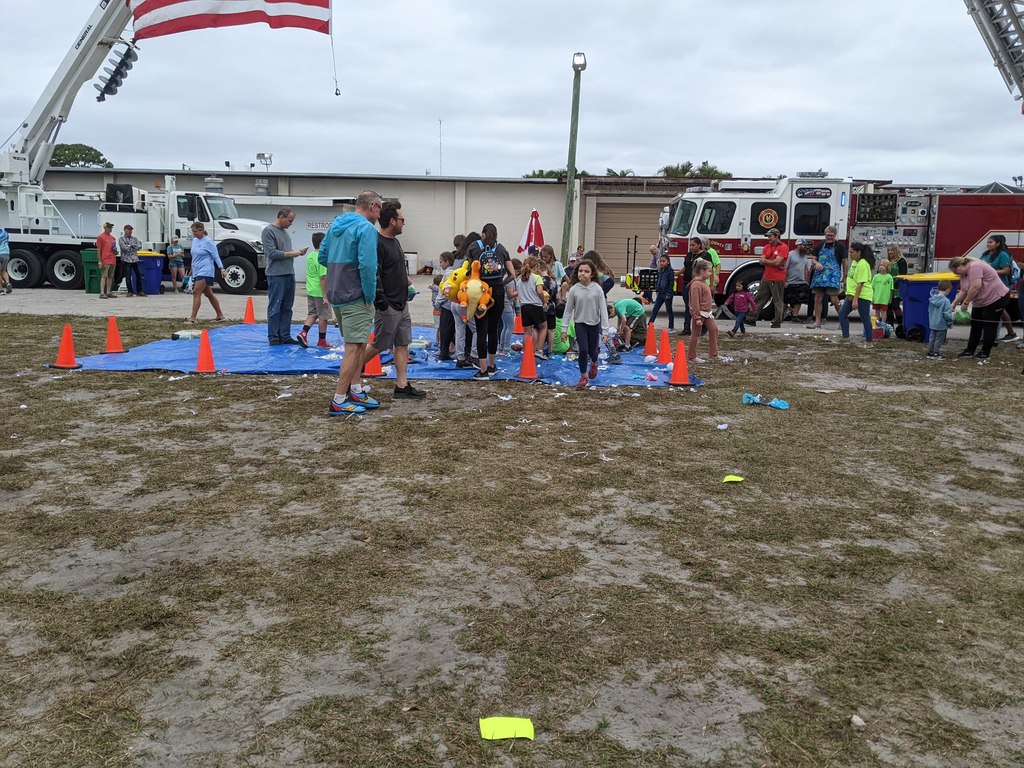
[277,248]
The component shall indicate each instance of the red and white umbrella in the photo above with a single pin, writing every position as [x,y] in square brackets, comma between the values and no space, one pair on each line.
[533,235]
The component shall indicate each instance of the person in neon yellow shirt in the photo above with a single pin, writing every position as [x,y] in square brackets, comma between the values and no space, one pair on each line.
[316,283]
[858,291]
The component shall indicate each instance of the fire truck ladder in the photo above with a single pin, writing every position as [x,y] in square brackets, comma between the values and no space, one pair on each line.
[1001,24]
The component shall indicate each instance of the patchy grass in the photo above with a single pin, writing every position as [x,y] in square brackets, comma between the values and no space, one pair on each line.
[195,572]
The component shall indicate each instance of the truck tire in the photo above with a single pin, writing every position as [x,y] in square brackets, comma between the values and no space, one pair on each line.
[240,275]
[751,277]
[64,270]
[25,268]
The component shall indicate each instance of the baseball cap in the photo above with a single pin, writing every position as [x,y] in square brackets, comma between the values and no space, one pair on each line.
[107,224]
[573,257]
[773,231]
[803,241]
[129,226]
[533,250]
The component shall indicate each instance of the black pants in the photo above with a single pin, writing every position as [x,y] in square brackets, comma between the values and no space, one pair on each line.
[984,324]
[446,334]
[488,327]
[587,338]
[133,268]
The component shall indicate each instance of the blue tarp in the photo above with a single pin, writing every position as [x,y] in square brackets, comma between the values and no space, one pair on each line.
[243,349]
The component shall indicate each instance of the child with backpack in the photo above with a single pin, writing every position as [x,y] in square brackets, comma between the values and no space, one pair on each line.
[940,317]
[742,303]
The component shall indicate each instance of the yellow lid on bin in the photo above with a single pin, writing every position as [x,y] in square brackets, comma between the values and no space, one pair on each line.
[149,253]
[931,276]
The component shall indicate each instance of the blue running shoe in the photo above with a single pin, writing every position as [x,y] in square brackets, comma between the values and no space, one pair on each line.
[363,400]
[345,409]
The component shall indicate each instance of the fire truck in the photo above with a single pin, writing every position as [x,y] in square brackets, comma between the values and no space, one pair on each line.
[45,246]
[930,225]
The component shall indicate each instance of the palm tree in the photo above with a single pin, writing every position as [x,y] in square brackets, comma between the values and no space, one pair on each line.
[623,172]
[709,171]
[554,174]
[677,171]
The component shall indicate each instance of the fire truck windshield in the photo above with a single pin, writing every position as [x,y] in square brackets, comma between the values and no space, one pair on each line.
[682,218]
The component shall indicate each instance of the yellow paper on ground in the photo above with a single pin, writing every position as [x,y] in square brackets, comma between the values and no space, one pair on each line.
[506,728]
[732,479]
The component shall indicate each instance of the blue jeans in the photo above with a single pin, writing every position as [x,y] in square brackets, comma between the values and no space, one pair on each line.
[935,341]
[280,297]
[863,309]
[739,326]
[664,300]
[508,320]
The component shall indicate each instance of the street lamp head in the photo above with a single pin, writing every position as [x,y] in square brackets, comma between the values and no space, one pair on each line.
[579,62]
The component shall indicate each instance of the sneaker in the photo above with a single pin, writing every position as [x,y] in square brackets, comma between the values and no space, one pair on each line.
[1008,336]
[463,364]
[582,383]
[409,391]
[592,373]
[731,334]
[348,408]
[933,356]
[363,400]
[1020,345]
[967,353]
[686,332]
[867,345]
[8,288]
[812,327]
[293,342]
[324,343]
[482,376]
[614,360]
[776,325]
[698,361]
[301,338]
[981,356]
[492,369]
[542,355]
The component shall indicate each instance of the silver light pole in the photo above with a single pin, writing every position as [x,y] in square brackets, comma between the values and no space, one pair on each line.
[579,63]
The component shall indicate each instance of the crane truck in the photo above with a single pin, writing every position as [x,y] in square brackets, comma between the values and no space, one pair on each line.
[45,247]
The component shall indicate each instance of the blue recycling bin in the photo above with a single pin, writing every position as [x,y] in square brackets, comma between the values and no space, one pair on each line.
[915,291]
[152,272]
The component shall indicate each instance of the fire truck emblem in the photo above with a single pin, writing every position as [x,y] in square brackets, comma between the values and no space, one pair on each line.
[768,218]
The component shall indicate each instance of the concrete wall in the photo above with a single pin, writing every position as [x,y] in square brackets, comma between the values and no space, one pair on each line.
[436,209]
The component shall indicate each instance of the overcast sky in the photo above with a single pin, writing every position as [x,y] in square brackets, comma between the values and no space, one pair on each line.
[869,89]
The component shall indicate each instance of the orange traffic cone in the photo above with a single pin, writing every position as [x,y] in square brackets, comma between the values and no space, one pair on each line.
[205,362]
[528,368]
[250,315]
[373,368]
[680,373]
[651,345]
[66,353]
[113,337]
[664,349]
[517,326]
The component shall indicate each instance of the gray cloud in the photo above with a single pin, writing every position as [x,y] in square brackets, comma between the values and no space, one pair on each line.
[866,89]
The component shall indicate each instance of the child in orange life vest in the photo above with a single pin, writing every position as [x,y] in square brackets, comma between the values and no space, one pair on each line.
[701,303]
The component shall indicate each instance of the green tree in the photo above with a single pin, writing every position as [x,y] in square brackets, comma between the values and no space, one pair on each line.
[623,172]
[688,170]
[677,171]
[78,156]
[554,174]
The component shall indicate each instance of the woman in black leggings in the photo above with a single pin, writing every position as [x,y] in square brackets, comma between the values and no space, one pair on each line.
[987,294]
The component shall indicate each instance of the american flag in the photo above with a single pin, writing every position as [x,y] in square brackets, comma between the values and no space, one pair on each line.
[154,18]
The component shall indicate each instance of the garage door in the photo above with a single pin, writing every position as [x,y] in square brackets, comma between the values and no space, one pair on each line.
[617,224]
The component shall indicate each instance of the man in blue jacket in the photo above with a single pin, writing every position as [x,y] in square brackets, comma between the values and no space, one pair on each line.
[349,251]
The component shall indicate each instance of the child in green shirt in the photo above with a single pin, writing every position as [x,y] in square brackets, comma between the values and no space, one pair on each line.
[316,305]
[881,289]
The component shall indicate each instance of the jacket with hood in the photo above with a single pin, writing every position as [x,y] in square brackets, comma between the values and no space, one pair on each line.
[349,251]
[940,315]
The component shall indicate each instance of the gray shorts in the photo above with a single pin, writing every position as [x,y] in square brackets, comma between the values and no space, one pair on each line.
[392,328]
[5,259]
[316,305]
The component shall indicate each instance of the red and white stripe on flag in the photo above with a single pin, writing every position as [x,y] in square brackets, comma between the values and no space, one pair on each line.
[154,18]
[533,235]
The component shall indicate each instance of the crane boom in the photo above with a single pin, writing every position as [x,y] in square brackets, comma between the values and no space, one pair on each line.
[1001,24]
[33,147]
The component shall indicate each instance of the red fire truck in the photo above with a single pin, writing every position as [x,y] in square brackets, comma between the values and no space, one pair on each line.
[931,225]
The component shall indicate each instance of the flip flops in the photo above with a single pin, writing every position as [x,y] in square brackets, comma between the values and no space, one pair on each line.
[749,399]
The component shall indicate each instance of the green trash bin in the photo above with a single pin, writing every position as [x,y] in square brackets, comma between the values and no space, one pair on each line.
[91,265]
